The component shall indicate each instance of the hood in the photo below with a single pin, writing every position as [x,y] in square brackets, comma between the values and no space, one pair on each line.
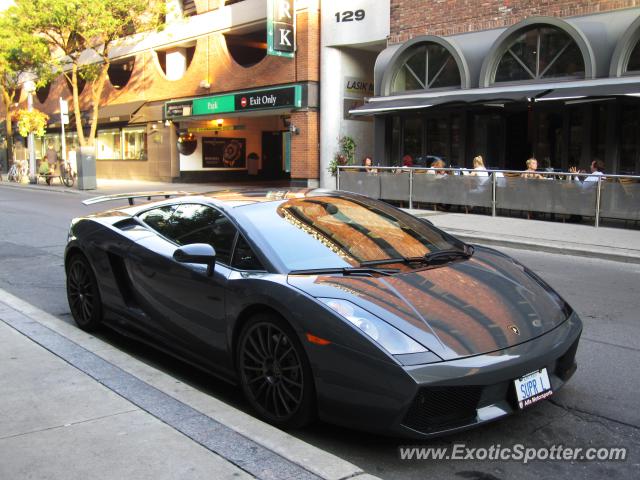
[480,305]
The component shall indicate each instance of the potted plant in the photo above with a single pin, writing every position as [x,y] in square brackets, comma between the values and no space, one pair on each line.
[345,156]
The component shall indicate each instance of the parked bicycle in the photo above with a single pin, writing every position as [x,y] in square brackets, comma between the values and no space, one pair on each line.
[67,174]
[18,171]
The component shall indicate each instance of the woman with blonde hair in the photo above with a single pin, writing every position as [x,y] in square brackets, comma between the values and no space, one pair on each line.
[479,170]
[530,172]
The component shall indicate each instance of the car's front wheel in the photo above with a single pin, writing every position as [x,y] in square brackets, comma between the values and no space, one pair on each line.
[274,372]
[83,294]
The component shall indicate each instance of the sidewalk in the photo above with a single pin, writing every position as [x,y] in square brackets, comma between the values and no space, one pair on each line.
[112,187]
[616,244]
[74,407]
[565,238]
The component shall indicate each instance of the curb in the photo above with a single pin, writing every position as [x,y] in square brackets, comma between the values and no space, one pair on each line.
[542,247]
[315,461]
[41,188]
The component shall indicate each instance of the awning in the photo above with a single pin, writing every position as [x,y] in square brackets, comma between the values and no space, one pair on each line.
[595,91]
[149,112]
[119,112]
[629,86]
[477,96]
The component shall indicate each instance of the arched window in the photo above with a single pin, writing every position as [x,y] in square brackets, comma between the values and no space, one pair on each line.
[426,66]
[120,72]
[539,53]
[247,48]
[633,65]
[175,61]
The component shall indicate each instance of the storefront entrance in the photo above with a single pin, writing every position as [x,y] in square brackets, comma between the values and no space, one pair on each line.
[273,167]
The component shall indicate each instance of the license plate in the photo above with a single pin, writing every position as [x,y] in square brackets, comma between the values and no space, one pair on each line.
[533,387]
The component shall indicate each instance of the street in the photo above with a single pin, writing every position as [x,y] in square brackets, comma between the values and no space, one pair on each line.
[598,407]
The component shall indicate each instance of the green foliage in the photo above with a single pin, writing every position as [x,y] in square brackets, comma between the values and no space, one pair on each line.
[80,34]
[21,55]
[346,155]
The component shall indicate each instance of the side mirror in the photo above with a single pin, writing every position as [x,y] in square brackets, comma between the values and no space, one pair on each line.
[201,253]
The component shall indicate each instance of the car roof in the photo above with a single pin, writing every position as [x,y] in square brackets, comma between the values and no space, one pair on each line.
[245,196]
[225,199]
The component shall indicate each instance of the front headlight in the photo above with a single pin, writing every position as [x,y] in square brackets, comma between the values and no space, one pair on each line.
[390,338]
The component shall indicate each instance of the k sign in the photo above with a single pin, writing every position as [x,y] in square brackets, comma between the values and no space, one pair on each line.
[281,28]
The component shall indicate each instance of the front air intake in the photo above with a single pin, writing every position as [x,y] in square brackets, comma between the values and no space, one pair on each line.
[440,408]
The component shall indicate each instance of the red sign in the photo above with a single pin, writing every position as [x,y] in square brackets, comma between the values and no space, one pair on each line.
[243,102]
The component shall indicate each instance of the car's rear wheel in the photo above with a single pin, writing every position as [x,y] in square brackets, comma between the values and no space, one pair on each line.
[83,294]
[274,372]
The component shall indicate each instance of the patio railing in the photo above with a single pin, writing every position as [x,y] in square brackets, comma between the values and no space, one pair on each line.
[583,194]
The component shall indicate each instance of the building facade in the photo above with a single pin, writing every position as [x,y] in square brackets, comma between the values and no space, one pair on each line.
[202,100]
[353,34]
[509,80]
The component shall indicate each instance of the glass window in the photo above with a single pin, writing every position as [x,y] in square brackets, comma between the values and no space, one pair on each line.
[53,139]
[328,232]
[576,139]
[134,143]
[244,257]
[633,65]
[540,53]
[71,143]
[629,140]
[108,145]
[158,219]
[438,137]
[38,146]
[195,223]
[429,66]
[412,138]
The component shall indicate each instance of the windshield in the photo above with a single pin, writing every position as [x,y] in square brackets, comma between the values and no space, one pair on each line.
[335,232]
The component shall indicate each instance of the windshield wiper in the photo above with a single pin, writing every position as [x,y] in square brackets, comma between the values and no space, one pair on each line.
[444,255]
[428,259]
[345,271]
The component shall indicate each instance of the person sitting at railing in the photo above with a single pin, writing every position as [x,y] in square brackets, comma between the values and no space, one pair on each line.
[530,172]
[597,170]
[407,161]
[435,166]
[368,165]
[479,170]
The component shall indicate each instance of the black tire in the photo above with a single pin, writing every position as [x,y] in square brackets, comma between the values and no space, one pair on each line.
[68,180]
[83,294]
[275,373]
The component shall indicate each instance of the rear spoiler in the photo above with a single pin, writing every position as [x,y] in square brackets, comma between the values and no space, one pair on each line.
[132,196]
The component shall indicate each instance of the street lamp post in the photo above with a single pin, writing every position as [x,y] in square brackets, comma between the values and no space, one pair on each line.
[30,88]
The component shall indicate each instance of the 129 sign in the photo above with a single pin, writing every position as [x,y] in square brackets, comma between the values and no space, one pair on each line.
[350,16]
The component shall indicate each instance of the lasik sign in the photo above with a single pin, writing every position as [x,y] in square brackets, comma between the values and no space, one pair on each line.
[281,28]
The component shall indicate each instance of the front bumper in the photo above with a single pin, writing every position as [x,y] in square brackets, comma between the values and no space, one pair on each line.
[460,394]
[430,400]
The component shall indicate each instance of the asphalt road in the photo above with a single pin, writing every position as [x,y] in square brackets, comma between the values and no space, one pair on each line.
[599,407]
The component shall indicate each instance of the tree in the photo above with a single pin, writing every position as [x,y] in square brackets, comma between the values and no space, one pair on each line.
[21,55]
[81,34]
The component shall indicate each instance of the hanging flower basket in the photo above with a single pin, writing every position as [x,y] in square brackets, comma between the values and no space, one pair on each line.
[33,121]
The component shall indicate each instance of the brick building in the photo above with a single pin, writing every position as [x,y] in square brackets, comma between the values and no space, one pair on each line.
[510,79]
[203,101]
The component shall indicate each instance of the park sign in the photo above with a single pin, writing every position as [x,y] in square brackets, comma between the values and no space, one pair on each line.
[281,28]
[245,101]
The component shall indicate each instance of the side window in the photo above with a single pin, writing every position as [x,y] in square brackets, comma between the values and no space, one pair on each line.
[244,258]
[194,223]
[158,218]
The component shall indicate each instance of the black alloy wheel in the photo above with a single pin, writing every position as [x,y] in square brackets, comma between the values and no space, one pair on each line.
[274,372]
[83,294]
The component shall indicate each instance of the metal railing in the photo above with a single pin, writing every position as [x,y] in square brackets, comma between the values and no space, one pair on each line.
[575,194]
